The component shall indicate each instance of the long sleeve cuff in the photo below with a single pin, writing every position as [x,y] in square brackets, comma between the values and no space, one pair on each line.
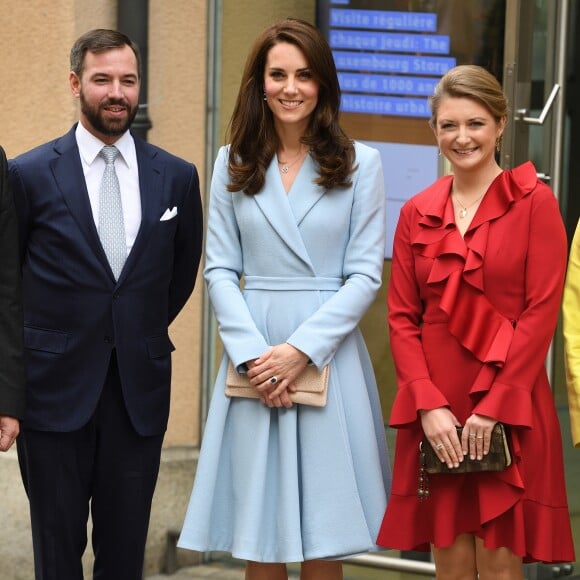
[418,395]
[507,404]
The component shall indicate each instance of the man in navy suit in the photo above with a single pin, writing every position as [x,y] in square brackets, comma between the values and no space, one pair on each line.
[11,361]
[97,349]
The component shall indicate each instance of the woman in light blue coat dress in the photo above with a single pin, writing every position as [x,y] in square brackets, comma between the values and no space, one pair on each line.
[296,218]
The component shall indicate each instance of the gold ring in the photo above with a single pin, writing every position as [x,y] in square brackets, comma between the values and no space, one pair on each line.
[479,437]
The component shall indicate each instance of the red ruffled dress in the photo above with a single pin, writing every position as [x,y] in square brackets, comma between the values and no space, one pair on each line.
[471,320]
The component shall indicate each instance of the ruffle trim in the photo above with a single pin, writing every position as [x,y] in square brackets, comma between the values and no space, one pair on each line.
[420,394]
[548,537]
[441,518]
[533,531]
[457,273]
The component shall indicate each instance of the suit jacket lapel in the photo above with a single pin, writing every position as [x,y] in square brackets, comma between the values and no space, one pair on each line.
[68,173]
[150,186]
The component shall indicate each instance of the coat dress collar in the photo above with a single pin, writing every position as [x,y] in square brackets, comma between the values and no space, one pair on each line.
[286,211]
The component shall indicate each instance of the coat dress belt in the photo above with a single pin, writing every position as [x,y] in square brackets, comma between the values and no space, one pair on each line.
[292,283]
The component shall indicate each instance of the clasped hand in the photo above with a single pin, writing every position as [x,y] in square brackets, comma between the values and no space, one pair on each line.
[282,362]
[440,428]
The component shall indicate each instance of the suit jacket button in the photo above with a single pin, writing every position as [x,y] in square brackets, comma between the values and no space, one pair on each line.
[108,339]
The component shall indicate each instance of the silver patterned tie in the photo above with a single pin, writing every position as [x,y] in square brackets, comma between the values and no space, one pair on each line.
[111,225]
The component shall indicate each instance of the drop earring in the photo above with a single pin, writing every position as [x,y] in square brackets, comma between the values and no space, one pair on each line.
[265,97]
[498,144]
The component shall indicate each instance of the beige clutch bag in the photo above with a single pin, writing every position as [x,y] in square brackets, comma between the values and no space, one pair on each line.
[312,386]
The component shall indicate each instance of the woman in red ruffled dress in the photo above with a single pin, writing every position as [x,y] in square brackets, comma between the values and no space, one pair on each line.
[477,274]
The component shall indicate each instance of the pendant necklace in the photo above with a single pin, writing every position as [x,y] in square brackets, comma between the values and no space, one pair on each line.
[285,167]
[465,209]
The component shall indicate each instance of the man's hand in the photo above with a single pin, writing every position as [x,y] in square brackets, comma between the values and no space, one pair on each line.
[9,429]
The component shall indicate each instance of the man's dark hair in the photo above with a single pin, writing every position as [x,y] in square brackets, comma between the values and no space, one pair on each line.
[100,40]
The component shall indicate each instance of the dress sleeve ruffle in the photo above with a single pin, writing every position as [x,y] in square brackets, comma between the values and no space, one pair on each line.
[508,405]
[420,394]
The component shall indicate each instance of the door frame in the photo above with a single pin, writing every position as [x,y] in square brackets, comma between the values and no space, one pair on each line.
[518,81]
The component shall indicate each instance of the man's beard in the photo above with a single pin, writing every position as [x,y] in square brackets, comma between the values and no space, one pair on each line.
[109,127]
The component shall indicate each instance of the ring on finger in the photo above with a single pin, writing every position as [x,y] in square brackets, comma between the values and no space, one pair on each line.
[273,380]
[472,435]
[439,446]
[479,437]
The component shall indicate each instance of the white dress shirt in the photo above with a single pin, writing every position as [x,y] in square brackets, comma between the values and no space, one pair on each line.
[127,172]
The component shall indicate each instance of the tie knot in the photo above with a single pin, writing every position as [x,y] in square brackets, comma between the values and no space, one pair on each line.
[109,154]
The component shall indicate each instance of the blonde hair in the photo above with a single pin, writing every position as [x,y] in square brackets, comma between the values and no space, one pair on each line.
[471,82]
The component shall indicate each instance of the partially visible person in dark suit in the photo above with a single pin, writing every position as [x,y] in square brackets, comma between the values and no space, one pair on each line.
[110,232]
[11,360]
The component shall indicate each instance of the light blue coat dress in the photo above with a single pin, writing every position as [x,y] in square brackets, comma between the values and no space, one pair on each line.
[287,485]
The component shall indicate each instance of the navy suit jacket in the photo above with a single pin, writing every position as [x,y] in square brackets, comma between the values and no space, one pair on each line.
[12,396]
[75,312]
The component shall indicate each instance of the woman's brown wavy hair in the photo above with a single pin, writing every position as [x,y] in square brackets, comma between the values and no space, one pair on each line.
[252,136]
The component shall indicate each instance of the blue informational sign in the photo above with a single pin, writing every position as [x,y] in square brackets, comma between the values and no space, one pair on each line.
[417,40]
[392,63]
[388,64]
[389,58]
[395,42]
[373,105]
[382,19]
[397,58]
[386,84]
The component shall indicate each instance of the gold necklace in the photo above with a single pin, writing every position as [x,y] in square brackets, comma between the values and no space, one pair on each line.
[285,167]
[465,209]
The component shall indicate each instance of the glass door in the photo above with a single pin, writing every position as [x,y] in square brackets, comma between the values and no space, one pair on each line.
[535,82]
[524,43]
[539,64]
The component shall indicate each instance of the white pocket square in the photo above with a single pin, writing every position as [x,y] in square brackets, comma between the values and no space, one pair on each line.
[169,214]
